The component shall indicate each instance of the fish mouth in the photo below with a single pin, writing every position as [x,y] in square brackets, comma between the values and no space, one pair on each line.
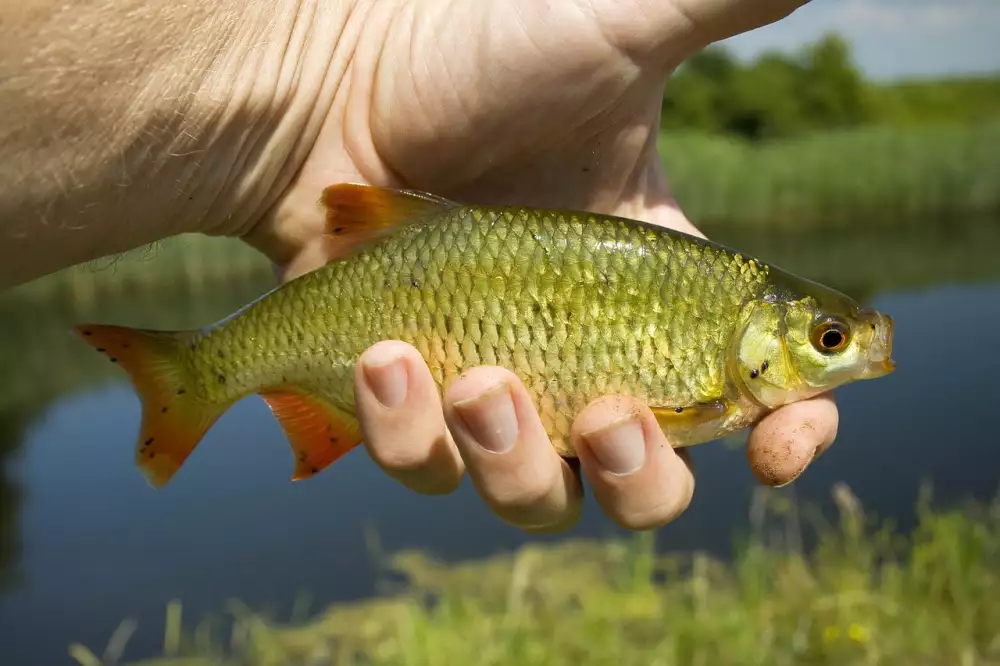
[880,361]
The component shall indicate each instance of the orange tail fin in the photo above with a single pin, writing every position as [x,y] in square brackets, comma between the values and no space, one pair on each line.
[174,419]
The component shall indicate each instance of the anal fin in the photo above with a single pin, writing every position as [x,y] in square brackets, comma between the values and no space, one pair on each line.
[693,424]
[317,433]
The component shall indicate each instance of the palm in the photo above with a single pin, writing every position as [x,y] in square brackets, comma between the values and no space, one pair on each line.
[531,128]
[548,104]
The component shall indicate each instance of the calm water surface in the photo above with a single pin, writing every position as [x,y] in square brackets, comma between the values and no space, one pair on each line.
[88,543]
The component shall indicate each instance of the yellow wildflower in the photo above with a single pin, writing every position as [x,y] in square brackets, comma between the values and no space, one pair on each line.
[858,634]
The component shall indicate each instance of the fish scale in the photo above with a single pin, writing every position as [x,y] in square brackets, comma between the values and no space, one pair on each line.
[576,304]
[396,289]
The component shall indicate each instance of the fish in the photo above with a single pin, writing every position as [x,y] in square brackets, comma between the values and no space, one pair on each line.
[576,304]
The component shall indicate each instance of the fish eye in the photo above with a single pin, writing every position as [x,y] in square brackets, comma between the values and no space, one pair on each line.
[830,336]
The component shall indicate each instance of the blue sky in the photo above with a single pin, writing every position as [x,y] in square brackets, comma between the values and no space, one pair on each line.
[893,38]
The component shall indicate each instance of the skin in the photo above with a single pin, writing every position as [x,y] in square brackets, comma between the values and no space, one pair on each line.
[124,123]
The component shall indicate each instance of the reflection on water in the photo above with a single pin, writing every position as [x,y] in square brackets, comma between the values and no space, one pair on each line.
[88,543]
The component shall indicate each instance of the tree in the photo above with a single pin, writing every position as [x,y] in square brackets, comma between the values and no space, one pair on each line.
[775,96]
[834,94]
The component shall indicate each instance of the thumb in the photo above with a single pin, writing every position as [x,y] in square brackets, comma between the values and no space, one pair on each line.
[671,30]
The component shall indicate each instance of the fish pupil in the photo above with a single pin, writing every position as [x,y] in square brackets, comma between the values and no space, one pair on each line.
[832,338]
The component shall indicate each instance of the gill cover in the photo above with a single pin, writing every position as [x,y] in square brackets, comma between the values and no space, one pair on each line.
[760,363]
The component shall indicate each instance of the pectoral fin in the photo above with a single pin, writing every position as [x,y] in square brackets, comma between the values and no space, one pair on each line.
[694,424]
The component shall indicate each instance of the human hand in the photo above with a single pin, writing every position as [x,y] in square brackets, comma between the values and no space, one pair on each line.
[228,117]
[546,104]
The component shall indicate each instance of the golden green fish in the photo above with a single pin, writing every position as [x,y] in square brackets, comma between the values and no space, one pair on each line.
[576,304]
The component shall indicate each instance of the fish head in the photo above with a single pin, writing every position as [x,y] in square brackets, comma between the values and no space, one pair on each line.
[802,345]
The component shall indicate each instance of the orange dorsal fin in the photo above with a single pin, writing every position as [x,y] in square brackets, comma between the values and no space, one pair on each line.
[357,215]
[316,432]
[174,416]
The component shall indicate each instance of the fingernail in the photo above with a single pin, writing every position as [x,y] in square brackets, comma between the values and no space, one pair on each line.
[490,418]
[620,447]
[387,378]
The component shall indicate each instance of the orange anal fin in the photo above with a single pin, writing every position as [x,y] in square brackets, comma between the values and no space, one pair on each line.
[317,433]
[357,215]
[693,423]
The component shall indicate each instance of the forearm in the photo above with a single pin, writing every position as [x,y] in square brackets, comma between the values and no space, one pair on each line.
[124,122]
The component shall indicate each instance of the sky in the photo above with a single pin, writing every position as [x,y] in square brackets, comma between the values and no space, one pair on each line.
[892,39]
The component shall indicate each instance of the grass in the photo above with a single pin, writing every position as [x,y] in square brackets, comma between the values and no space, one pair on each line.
[862,177]
[864,594]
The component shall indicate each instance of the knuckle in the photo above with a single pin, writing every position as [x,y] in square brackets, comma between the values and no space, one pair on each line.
[409,446]
[427,482]
[522,497]
[660,504]
[650,517]
[399,456]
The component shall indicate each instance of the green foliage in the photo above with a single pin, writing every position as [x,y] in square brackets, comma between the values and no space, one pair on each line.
[861,177]
[777,95]
[864,595]
[818,88]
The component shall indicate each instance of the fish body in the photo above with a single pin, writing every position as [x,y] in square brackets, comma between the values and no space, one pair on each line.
[576,304]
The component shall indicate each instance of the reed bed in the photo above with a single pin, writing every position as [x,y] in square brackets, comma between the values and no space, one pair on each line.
[874,176]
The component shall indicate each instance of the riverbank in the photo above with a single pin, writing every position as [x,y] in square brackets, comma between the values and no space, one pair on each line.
[862,595]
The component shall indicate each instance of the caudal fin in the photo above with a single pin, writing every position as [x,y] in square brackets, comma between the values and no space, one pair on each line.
[174,418]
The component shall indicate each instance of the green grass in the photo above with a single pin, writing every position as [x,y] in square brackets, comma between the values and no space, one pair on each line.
[853,178]
[864,594]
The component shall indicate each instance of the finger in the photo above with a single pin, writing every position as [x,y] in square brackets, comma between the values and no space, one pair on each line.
[401,419]
[674,30]
[510,457]
[638,478]
[722,19]
[786,441]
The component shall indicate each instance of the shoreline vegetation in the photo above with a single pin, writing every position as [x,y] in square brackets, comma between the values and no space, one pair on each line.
[839,179]
[863,594]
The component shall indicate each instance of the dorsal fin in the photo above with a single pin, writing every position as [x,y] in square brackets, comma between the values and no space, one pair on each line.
[357,215]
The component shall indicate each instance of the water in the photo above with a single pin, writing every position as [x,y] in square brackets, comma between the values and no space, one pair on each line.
[86,543]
